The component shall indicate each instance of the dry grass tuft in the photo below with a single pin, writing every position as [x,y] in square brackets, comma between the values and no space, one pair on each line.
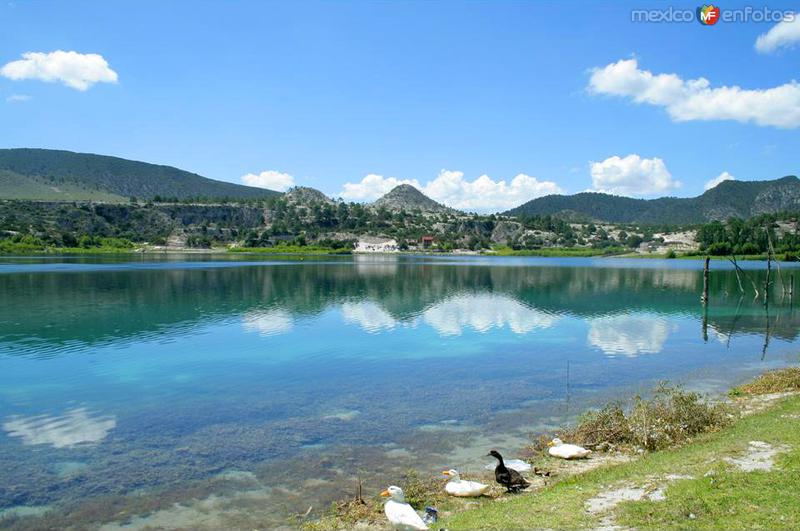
[420,491]
[778,381]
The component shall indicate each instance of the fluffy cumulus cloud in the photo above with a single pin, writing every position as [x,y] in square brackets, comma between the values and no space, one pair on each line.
[452,189]
[724,176]
[632,176]
[696,99]
[372,187]
[75,70]
[784,34]
[271,179]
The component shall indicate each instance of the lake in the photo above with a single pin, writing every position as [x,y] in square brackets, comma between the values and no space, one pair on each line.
[222,391]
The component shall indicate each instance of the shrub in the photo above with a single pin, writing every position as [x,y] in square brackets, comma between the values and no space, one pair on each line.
[670,417]
[719,249]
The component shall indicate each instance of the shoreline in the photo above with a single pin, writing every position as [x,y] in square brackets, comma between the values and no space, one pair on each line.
[555,252]
[620,487]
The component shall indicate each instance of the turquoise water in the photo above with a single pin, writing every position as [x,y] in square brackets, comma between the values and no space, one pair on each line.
[219,392]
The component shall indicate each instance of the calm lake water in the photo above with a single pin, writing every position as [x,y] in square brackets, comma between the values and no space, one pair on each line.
[216,392]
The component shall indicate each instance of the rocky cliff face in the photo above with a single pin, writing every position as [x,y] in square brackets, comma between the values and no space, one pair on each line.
[150,222]
[784,197]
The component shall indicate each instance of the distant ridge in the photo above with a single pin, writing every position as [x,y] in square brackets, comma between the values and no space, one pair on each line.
[742,199]
[406,197]
[47,174]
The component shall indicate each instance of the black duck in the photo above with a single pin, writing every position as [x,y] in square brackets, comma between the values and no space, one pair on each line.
[508,477]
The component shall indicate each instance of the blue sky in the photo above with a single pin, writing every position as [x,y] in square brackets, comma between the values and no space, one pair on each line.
[325,93]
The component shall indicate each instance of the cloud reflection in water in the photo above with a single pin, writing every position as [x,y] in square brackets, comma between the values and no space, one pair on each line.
[628,335]
[481,313]
[268,323]
[76,426]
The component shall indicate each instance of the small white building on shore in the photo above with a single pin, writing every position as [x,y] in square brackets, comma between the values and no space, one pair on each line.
[371,244]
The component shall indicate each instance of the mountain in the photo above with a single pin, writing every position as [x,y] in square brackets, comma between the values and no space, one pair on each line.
[406,197]
[742,199]
[46,174]
[305,195]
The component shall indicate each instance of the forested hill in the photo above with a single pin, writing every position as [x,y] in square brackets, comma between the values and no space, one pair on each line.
[46,174]
[740,199]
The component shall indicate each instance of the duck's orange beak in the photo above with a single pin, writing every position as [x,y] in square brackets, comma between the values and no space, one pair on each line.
[385,494]
[446,472]
[551,443]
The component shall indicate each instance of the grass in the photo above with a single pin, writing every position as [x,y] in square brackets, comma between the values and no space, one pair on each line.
[559,251]
[290,249]
[778,381]
[20,248]
[718,496]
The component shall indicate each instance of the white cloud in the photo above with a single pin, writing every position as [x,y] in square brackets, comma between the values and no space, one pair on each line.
[372,187]
[453,190]
[18,98]
[632,176]
[274,180]
[724,176]
[695,99]
[75,70]
[73,428]
[485,194]
[784,34]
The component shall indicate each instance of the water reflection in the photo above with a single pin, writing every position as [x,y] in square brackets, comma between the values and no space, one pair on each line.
[179,355]
[268,323]
[483,312]
[480,312]
[75,427]
[370,316]
[628,335]
[44,315]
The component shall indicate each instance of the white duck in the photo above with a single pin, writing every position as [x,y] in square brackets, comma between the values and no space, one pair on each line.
[461,487]
[400,514]
[566,451]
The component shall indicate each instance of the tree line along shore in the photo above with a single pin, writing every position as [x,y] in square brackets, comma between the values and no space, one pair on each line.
[309,226]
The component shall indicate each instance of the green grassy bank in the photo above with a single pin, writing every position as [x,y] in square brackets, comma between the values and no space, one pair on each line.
[698,487]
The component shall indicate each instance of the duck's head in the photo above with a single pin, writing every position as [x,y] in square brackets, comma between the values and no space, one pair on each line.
[495,454]
[395,493]
[555,442]
[453,473]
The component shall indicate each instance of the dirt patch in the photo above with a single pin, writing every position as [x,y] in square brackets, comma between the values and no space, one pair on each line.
[603,504]
[759,456]
[607,500]
[756,403]
[571,467]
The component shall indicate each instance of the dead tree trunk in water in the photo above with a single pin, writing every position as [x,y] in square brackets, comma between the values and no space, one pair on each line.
[704,297]
[767,281]
[738,278]
[777,264]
